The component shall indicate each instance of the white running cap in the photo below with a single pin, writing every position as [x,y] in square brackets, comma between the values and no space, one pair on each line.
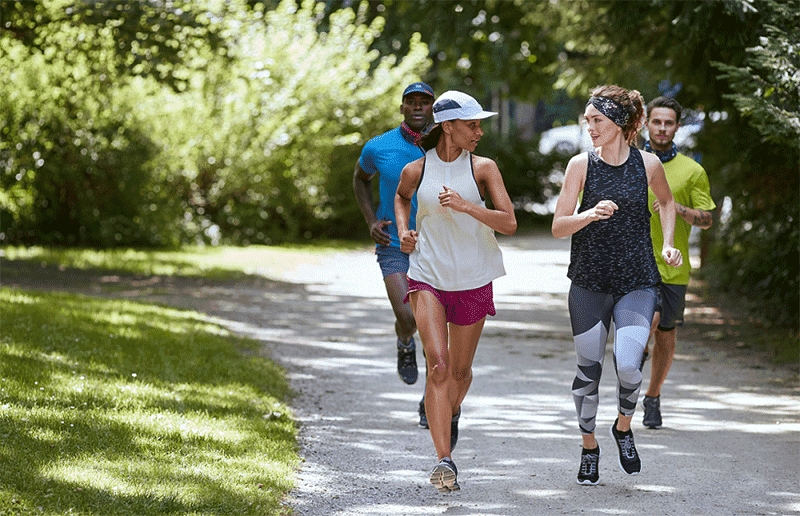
[456,105]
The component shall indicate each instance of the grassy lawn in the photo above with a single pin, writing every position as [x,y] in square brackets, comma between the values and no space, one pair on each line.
[115,407]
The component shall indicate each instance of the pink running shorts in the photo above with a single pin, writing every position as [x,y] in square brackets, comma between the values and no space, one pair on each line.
[461,307]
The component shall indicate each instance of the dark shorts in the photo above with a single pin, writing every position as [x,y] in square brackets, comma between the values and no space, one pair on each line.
[461,307]
[391,259]
[670,304]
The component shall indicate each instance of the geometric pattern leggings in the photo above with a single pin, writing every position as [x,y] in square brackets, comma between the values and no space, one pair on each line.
[591,314]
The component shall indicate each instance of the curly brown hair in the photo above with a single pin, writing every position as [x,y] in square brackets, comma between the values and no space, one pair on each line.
[631,100]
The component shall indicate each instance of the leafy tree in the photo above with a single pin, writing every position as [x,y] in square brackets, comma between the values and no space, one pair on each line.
[232,136]
[765,188]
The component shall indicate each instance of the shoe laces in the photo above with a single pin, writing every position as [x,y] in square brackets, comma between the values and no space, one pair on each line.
[627,446]
[589,464]
[408,357]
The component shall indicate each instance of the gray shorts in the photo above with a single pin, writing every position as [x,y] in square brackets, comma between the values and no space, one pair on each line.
[670,305]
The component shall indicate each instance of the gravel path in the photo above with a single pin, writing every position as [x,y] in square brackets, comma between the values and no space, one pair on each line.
[730,443]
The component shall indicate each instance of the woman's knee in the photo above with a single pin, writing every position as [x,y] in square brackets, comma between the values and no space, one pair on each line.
[437,372]
[629,373]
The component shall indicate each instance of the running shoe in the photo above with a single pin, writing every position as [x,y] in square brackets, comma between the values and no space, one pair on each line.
[589,473]
[652,412]
[444,476]
[454,430]
[407,361]
[423,417]
[628,456]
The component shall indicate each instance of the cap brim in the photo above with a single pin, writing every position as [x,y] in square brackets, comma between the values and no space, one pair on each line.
[479,116]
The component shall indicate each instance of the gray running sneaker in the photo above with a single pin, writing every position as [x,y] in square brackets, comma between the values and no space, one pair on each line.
[407,361]
[652,412]
[444,476]
[589,473]
[423,417]
[628,456]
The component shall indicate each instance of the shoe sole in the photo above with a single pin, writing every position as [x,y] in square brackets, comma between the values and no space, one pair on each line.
[619,461]
[407,382]
[588,482]
[651,426]
[444,479]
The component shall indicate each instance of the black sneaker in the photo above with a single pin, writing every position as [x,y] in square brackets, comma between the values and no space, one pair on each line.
[454,430]
[589,473]
[423,417]
[628,456]
[652,412]
[444,476]
[407,361]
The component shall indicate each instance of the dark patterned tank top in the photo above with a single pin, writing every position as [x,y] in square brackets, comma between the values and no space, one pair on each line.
[615,255]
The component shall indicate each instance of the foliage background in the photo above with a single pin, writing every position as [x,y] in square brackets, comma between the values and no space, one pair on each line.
[209,122]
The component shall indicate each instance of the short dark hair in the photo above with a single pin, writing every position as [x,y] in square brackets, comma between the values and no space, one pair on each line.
[665,102]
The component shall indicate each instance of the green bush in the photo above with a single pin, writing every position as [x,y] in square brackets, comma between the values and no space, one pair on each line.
[253,144]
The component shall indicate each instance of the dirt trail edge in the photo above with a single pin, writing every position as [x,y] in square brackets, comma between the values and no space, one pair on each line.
[730,444]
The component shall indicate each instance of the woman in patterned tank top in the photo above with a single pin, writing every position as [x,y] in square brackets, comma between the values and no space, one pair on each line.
[612,267]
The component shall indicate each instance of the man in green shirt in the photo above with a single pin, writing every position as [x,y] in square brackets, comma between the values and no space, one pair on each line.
[689,184]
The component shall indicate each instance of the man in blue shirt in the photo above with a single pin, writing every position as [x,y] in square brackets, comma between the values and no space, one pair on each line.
[385,156]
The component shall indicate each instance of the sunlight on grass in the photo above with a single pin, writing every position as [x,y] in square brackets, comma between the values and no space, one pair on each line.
[207,262]
[115,407]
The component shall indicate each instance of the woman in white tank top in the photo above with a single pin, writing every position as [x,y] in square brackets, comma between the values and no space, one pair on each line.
[453,259]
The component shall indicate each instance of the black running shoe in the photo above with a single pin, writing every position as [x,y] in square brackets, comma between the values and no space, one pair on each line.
[423,417]
[589,473]
[652,412]
[444,476]
[407,361]
[454,430]
[628,456]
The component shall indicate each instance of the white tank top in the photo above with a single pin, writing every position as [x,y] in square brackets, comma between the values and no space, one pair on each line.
[454,250]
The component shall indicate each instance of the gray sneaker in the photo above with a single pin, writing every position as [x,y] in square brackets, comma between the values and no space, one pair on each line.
[444,476]
[652,412]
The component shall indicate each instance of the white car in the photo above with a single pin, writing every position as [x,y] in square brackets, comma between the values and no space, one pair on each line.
[568,139]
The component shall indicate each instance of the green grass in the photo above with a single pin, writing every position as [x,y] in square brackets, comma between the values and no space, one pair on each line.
[114,407]
[199,262]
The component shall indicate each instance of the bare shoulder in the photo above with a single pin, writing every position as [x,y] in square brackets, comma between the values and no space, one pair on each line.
[581,159]
[578,164]
[482,164]
[414,168]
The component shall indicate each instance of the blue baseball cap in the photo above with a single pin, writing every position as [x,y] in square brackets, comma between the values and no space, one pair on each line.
[419,87]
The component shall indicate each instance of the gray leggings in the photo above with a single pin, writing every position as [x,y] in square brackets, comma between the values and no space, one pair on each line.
[591,314]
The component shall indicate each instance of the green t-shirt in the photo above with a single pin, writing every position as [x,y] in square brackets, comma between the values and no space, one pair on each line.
[689,184]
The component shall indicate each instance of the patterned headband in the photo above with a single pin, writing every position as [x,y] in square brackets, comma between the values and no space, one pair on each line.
[612,109]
